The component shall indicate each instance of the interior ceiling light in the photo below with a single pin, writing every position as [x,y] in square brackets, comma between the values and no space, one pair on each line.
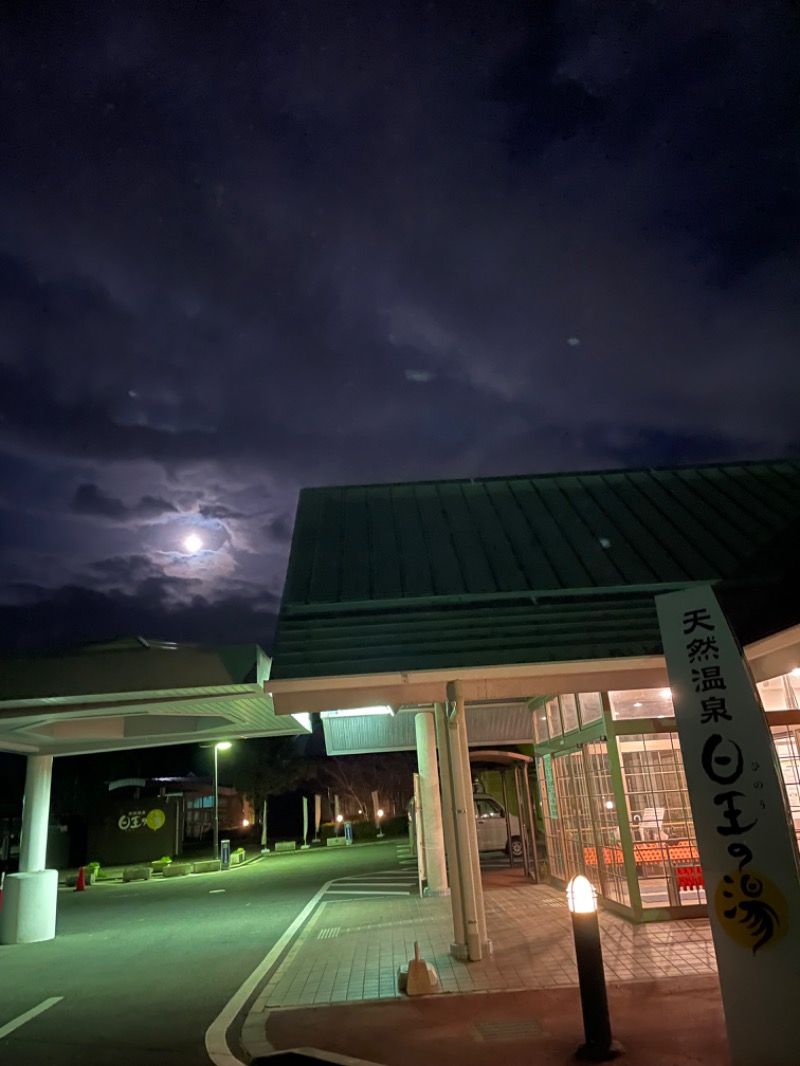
[358,712]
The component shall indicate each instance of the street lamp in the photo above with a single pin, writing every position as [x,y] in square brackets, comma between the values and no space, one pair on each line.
[379,813]
[222,745]
[582,902]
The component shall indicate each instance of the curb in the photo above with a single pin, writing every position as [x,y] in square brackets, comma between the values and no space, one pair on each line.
[246,996]
[160,879]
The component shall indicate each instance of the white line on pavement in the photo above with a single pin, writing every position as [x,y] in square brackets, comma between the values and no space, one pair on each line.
[377,884]
[378,877]
[216,1040]
[46,1004]
[364,892]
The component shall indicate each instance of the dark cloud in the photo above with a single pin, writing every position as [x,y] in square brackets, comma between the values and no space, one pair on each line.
[260,250]
[219,510]
[71,616]
[280,528]
[90,499]
[124,569]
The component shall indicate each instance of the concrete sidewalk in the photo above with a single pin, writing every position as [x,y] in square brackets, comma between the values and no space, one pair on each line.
[349,953]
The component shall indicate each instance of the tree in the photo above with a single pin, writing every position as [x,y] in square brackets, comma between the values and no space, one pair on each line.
[390,774]
[267,767]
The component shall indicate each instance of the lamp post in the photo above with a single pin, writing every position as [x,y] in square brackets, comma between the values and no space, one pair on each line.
[582,902]
[379,814]
[222,745]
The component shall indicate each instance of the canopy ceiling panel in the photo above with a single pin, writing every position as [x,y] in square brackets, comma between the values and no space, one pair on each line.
[502,723]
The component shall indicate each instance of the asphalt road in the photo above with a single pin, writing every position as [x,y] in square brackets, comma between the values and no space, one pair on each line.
[145,968]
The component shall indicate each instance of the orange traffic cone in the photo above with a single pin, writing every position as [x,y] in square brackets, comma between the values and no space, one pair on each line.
[81,883]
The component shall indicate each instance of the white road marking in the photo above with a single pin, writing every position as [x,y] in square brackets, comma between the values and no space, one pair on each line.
[46,1004]
[214,891]
[376,878]
[216,1042]
[374,884]
[365,892]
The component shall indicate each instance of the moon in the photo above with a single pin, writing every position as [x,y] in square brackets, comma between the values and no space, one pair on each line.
[193,543]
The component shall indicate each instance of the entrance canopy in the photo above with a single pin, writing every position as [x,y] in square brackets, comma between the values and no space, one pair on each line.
[135,694]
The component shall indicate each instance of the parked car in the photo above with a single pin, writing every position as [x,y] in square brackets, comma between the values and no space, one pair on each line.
[490,818]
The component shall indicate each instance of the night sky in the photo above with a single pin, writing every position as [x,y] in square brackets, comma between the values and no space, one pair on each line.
[247,247]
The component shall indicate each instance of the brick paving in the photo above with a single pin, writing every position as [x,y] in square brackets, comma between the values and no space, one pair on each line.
[350,951]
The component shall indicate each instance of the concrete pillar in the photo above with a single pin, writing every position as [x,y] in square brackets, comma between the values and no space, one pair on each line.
[28,914]
[459,946]
[432,843]
[466,830]
[35,814]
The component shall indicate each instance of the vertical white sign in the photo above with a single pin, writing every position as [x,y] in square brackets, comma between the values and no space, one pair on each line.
[747,845]
[305,819]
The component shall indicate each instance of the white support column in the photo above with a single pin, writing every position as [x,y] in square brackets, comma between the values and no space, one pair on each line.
[432,843]
[35,814]
[28,914]
[459,946]
[474,909]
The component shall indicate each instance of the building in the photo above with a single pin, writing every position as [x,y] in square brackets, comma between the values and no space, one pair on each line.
[536,596]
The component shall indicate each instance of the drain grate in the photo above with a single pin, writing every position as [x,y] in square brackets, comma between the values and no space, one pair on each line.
[329,933]
[513,1029]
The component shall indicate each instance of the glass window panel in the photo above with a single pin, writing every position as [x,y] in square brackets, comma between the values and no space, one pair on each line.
[553,718]
[569,713]
[608,854]
[787,748]
[591,707]
[665,847]
[550,816]
[773,694]
[641,703]
[580,819]
[540,725]
[793,679]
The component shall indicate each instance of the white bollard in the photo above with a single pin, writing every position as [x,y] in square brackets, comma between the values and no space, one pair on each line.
[29,907]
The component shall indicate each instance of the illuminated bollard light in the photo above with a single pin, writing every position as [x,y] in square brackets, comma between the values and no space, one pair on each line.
[598,1044]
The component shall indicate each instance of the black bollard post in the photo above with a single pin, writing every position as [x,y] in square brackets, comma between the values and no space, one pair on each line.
[598,1044]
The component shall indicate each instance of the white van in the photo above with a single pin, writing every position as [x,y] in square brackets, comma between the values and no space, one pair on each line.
[490,818]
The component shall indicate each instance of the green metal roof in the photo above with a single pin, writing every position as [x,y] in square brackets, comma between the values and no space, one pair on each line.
[522,569]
